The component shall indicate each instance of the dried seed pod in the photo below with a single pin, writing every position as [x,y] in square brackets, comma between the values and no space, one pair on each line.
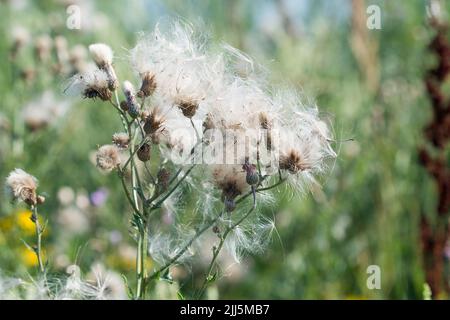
[124,105]
[133,106]
[189,108]
[163,179]
[148,85]
[144,152]
[153,122]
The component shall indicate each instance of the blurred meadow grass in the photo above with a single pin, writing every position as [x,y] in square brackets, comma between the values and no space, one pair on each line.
[367,212]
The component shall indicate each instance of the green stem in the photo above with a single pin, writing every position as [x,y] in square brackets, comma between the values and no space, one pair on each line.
[37,250]
[216,250]
[158,204]
[185,247]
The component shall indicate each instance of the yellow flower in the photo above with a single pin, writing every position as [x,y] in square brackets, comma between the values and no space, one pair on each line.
[28,257]
[24,222]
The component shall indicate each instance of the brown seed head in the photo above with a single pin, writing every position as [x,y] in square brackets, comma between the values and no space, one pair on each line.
[148,86]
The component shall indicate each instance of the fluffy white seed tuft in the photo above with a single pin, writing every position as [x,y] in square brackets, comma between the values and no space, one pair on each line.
[102,54]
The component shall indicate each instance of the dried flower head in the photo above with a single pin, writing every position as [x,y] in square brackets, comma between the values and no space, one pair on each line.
[293,161]
[148,85]
[103,57]
[101,53]
[108,157]
[92,83]
[22,186]
[188,108]
[153,123]
[231,180]
[121,140]
[144,152]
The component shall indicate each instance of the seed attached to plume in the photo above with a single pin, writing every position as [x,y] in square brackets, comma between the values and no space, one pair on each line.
[22,186]
[148,85]
[144,152]
[208,123]
[108,157]
[264,121]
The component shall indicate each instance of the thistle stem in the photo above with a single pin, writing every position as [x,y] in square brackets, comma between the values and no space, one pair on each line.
[185,247]
[141,249]
[37,249]
[216,250]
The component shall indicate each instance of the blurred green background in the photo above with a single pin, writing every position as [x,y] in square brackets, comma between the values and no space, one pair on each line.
[367,83]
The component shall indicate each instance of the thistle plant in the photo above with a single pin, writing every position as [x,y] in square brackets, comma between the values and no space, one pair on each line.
[22,186]
[200,129]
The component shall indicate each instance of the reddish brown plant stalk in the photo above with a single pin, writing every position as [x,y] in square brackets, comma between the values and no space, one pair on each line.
[435,236]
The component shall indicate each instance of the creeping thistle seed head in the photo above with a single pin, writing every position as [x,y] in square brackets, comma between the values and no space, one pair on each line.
[22,186]
[92,83]
[293,162]
[133,106]
[154,121]
[188,108]
[121,140]
[231,181]
[148,85]
[144,152]
[103,57]
[102,54]
[108,157]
